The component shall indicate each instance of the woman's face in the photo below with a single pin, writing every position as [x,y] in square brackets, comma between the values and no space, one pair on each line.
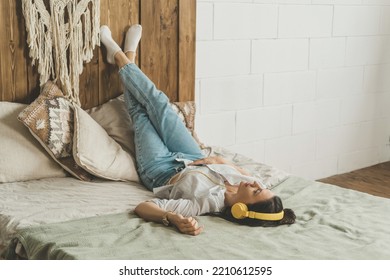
[250,193]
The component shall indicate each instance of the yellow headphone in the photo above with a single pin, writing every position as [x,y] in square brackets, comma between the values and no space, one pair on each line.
[240,211]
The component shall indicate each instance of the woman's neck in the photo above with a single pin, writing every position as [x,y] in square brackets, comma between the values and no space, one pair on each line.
[231,190]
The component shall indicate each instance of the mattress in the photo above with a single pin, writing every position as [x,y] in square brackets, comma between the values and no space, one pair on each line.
[36,202]
[45,201]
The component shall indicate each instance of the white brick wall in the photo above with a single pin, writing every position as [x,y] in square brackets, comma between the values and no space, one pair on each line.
[303,85]
[239,25]
[356,20]
[303,21]
[327,53]
[279,55]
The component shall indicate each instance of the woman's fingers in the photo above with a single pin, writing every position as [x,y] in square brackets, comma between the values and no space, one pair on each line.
[198,162]
[208,160]
[189,226]
[193,231]
[196,231]
[189,222]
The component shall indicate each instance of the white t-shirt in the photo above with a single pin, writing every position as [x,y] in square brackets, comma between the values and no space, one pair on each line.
[199,189]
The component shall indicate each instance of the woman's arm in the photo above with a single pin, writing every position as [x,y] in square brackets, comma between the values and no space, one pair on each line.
[219,160]
[149,211]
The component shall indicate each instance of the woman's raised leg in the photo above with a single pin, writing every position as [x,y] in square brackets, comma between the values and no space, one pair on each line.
[170,128]
[166,122]
[155,163]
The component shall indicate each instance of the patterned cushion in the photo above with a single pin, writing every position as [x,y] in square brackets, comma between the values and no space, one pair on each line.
[50,120]
[53,124]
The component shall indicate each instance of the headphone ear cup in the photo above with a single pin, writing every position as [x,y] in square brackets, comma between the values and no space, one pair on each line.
[239,210]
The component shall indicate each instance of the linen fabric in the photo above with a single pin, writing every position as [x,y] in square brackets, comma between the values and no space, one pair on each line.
[50,120]
[99,154]
[22,158]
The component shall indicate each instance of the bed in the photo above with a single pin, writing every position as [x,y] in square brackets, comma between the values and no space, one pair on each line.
[63,217]
[336,229]
[332,223]
[63,202]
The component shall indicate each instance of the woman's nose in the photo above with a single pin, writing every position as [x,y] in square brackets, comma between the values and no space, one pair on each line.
[257,185]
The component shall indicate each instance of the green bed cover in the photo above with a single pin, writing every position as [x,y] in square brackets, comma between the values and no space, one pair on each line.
[332,223]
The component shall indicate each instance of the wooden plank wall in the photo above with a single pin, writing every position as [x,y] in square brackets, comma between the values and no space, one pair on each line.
[166,52]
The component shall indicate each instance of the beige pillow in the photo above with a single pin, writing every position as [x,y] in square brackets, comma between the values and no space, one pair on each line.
[22,158]
[115,119]
[98,153]
[50,120]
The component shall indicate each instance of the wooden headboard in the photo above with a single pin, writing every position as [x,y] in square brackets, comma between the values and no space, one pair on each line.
[166,52]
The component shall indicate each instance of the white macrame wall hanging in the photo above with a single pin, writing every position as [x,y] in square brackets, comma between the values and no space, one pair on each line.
[61,37]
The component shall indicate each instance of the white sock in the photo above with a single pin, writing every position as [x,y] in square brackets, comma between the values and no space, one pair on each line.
[111,46]
[133,36]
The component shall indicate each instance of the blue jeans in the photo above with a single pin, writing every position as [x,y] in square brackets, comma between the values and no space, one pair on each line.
[161,138]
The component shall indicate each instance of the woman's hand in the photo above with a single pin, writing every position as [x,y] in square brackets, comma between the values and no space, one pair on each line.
[219,160]
[149,211]
[186,225]
[209,160]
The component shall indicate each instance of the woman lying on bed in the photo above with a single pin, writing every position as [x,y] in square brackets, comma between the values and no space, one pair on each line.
[170,163]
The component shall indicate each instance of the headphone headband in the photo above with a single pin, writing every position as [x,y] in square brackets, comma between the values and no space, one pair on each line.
[240,211]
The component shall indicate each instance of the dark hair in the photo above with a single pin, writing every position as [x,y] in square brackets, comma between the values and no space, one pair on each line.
[272,205]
